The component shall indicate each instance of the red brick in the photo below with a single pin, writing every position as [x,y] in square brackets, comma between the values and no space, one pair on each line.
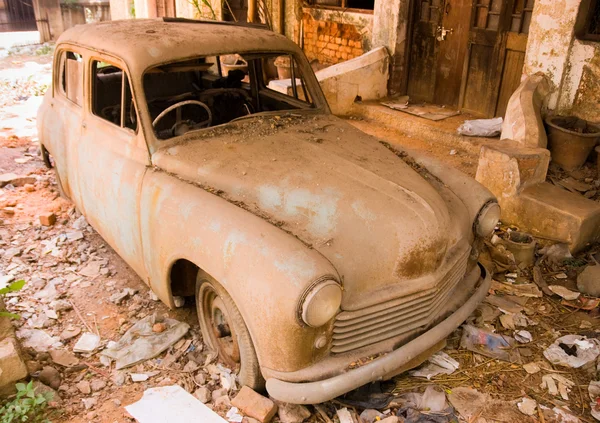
[344,42]
[357,51]
[47,219]
[254,405]
[332,46]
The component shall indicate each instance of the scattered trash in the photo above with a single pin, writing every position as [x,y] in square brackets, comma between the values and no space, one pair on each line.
[573,351]
[489,344]
[532,368]
[520,290]
[594,393]
[527,406]
[563,292]
[523,337]
[481,127]
[141,343]
[582,303]
[171,404]
[142,377]
[233,416]
[439,363]
[431,406]
[89,342]
[556,254]
[475,406]
[564,385]
[538,279]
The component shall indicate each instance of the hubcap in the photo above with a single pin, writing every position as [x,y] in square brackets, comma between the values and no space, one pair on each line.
[220,331]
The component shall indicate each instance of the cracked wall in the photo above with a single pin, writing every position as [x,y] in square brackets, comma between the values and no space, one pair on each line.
[572,65]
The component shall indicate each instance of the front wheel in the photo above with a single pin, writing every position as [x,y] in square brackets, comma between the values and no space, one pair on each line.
[224,330]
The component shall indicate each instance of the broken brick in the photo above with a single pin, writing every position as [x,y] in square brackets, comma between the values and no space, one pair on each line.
[254,405]
[47,219]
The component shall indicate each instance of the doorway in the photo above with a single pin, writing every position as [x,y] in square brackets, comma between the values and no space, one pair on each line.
[468,54]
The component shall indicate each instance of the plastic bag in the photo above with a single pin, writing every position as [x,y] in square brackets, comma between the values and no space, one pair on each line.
[481,127]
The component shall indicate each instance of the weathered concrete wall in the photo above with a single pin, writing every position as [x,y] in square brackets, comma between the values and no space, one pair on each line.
[390,30]
[572,65]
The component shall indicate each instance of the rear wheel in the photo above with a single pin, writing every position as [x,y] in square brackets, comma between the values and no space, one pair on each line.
[224,330]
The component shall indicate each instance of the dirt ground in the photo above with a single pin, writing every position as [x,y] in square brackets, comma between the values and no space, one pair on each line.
[73,277]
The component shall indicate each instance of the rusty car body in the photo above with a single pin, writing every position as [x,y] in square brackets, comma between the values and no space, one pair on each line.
[308,244]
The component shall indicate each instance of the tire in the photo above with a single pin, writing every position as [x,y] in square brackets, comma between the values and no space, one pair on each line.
[223,330]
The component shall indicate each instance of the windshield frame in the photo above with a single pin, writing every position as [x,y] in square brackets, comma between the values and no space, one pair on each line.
[319,103]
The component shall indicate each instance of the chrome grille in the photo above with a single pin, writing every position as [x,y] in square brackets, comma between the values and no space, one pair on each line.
[359,328]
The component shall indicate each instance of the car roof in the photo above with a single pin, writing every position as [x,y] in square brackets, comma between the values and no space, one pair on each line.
[143,43]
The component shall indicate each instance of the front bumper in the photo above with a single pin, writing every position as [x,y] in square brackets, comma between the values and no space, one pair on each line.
[327,389]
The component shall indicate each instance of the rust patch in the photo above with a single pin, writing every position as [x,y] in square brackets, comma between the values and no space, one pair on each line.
[421,259]
[406,158]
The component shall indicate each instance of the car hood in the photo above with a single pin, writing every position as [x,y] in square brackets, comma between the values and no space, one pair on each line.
[384,222]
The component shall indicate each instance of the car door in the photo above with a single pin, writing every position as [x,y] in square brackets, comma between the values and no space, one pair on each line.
[61,120]
[113,158]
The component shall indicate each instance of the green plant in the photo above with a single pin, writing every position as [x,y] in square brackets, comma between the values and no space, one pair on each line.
[13,287]
[199,9]
[27,406]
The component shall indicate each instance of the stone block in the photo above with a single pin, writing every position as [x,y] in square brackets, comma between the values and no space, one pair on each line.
[523,119]
[550,212]
[507,168]
[254,405]
[12,366]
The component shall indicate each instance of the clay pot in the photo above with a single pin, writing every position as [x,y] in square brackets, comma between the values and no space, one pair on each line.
[522,246]
[571,140]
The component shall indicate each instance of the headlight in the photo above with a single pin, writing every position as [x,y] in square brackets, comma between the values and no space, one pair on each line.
[487,219]
[321,303]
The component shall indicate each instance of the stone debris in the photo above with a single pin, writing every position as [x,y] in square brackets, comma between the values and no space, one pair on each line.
[64,358]
[527,406]
[87,343]
[47,219]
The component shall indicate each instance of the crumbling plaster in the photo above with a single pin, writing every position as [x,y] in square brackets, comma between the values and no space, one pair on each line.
[572,66]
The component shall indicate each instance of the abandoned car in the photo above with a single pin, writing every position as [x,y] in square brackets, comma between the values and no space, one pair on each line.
[320,258]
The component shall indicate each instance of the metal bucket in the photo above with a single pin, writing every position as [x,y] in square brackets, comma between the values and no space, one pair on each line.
[571,140]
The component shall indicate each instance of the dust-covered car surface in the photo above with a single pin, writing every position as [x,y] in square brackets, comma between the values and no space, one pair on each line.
[320,258]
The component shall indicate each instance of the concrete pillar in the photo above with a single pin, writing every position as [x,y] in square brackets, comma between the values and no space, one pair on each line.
[390,30]
[550,40]
[120,9]
[49,10]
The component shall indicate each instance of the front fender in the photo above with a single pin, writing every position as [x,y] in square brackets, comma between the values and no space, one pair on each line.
[472,194]
[263,268]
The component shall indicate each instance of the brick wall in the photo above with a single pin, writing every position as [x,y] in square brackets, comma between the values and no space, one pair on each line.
[331,42]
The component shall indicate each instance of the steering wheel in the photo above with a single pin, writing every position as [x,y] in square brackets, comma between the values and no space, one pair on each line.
[186,125]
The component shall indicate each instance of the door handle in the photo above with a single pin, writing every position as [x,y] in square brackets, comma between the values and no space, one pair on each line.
[443,32]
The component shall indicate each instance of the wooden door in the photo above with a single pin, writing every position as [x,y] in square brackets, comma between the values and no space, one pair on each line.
[496,52]
[437,56]
[452,51]
[424,50]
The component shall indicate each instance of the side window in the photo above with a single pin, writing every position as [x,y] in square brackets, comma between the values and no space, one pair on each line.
[283,75]
[71,76]
[111,95]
